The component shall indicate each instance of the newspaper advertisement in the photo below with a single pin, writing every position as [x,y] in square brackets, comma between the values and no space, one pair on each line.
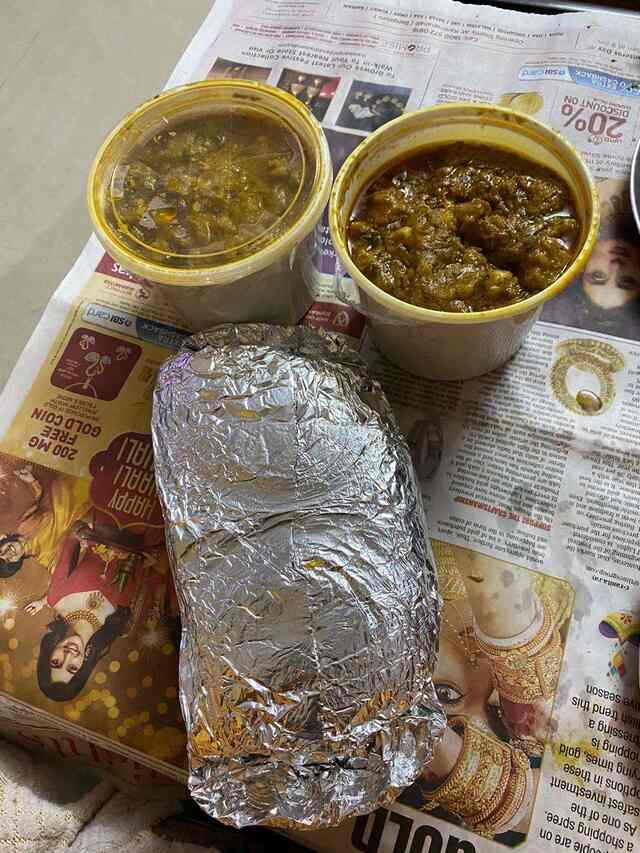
[530,474]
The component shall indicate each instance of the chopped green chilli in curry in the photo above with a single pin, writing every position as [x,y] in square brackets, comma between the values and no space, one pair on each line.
[207,186]
[464,227]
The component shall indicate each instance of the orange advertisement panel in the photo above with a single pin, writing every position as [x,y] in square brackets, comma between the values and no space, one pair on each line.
[89,624]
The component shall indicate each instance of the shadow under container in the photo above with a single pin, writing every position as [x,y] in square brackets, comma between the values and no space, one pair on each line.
[440,344]
[262,280]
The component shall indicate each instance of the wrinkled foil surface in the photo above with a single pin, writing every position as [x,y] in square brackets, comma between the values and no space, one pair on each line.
[309,605]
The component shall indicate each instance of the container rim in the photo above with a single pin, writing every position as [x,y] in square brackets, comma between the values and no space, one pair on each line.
[249,92]
[514,120]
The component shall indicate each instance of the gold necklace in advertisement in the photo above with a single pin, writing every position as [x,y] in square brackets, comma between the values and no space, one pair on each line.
[83,616]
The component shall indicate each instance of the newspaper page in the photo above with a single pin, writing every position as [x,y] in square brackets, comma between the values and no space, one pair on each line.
[531,474]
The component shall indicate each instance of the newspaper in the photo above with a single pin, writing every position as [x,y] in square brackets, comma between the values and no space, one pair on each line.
[531,474]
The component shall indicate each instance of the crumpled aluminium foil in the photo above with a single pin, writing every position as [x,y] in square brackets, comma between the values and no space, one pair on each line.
[309,605]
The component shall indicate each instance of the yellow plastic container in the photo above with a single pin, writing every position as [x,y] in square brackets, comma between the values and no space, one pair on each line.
[439,344]
[262,280]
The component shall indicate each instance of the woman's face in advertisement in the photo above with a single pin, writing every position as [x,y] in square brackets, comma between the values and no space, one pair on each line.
[67,658]
[612,276]
[462,684]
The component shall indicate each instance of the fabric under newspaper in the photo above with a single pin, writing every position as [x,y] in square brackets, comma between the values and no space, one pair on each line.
[309,604]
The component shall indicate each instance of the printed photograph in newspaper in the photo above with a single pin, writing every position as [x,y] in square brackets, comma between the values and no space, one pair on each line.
[606,297]
[502,640]
[88,610]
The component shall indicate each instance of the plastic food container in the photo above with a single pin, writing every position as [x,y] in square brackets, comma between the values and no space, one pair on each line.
[259,280]
[439,344]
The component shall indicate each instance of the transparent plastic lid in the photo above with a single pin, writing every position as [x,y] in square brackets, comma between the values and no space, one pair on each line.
[204,176]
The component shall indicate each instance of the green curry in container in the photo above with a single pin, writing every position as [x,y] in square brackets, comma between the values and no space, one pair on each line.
[464,227]
[208,188]
[452,226]
[213,185]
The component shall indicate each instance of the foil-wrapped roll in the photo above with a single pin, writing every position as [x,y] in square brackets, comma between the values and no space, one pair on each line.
[309,605]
